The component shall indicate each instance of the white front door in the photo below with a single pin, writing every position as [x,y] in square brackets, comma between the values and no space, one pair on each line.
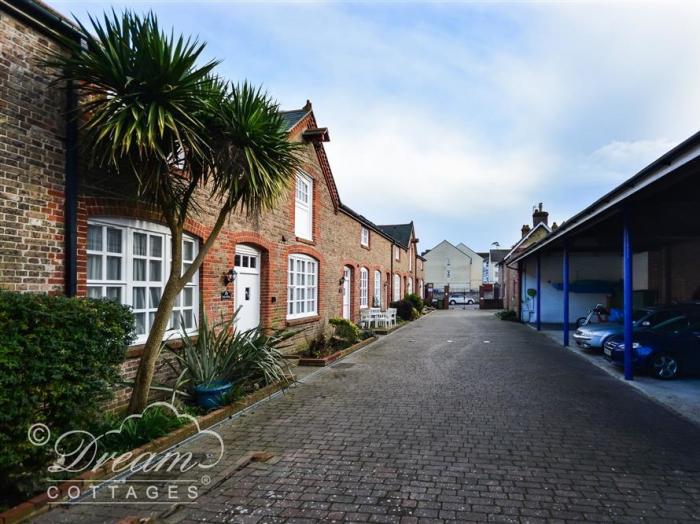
[346,292]
[247,285]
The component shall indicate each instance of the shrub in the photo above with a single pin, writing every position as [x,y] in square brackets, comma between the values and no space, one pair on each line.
[345,329]
[416,300]
[508,314]
[405,309]
[59,362]
[220,353]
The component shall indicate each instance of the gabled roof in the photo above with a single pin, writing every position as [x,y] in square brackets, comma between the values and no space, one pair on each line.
[294,116]
[466,250]
[515,247]
[400,233]
[496,255]
[364,221]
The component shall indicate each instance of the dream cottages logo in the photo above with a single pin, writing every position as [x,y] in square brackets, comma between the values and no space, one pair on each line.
[144,477]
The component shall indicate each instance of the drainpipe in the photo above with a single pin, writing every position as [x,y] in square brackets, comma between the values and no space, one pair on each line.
[391,279]
[71,194]
[538,297]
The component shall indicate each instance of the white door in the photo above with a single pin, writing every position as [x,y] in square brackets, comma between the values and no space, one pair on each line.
[346,292]
[247,285]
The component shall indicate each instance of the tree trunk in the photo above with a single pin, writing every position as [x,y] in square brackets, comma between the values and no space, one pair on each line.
[176,282]
[154,342]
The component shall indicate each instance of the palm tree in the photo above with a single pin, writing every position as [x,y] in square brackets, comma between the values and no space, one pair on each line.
[149,111]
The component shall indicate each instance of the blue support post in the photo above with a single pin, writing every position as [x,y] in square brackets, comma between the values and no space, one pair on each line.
[565,282]
[538,302]
[627,293]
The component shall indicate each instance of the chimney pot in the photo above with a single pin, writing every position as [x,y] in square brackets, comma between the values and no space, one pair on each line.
[525,230]
[539,216]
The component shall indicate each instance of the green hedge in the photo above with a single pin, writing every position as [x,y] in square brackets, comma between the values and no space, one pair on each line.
[59,362]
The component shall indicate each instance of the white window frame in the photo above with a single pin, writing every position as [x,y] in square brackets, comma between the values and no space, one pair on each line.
[396,295]
[364,288]
[397,253]
[377,289]
[302,286]
[127,284]
[304,202]
[364,236]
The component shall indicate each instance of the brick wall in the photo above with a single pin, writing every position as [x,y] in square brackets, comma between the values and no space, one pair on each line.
[32,159]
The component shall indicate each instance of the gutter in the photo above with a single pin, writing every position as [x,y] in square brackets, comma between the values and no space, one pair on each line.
[57,28]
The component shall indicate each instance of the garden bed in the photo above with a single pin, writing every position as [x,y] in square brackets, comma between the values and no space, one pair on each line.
[40,503]
[329,359]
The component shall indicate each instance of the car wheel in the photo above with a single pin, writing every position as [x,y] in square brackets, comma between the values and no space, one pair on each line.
[664,366]
[453,302]
[470,301]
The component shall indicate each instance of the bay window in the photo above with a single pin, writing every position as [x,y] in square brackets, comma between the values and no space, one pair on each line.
[302,287]
[129,261]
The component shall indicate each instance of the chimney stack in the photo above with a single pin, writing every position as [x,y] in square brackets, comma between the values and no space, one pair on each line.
[525,230]
[539,215]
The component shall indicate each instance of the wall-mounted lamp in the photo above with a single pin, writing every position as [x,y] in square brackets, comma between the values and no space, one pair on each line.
[230,277]
[341,281]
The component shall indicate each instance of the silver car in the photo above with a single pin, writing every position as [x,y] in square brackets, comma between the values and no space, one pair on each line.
[594,336]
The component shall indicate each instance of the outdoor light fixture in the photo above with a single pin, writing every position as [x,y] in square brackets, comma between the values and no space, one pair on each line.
[230,277]
[341,281]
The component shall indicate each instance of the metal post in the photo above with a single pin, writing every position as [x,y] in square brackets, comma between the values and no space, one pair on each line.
[627,292]
[538,302]
[565,290]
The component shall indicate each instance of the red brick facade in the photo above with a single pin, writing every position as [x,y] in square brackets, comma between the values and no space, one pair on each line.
[32,176]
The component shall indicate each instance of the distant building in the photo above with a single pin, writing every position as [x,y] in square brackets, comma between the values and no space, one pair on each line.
[459,266]
[491,266]
[509,276]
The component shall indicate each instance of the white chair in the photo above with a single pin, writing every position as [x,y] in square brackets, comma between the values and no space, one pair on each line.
[375,316]
[365,318]
[391,316]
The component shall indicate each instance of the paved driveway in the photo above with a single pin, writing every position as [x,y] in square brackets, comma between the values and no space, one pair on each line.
[458,416]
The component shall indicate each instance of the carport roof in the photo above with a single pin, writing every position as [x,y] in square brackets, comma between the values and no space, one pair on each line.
[674,166]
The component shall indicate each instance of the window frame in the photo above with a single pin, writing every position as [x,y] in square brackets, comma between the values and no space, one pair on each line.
[364,236]
[377,295]
[364,288]
[397,253]
[293,286]
[307,206]
[130,227]
[396,294]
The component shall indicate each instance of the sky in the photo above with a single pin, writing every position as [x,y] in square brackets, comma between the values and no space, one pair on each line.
[463,116]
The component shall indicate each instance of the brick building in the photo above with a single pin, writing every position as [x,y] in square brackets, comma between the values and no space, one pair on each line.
[66,230]
[509,277]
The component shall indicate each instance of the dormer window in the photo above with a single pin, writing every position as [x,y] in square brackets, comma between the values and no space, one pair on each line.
[364,237]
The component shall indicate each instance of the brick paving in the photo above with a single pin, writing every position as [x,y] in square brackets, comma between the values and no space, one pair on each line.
[456,417]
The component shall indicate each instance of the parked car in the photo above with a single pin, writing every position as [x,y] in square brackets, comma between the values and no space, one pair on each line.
[665,350]
[460,298]
[594,336]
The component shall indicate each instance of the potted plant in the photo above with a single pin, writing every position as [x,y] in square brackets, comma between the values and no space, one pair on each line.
[221,360]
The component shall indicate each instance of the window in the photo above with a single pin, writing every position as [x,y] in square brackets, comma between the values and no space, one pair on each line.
[302,287]
[397,288]
[410,258]
[377,299]
[364,236]
[397,253]
[409,286]
[364,287]
[303,207]
[128,261]
[421,291]
[449,273]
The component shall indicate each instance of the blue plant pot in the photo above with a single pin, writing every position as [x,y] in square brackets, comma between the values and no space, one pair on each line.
[212,395]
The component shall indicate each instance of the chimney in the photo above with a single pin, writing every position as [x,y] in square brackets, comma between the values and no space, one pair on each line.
[539,215]
[525,230]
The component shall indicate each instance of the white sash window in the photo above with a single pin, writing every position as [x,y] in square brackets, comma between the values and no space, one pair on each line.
[303,207]
[364,287]
[377,289]
[302,287]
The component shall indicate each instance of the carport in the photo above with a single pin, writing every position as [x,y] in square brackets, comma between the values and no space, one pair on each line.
[637,245]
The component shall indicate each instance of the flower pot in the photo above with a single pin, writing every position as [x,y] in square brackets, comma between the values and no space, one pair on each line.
[212,395]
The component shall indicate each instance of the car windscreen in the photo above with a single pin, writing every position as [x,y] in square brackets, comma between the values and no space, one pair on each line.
[673,325]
